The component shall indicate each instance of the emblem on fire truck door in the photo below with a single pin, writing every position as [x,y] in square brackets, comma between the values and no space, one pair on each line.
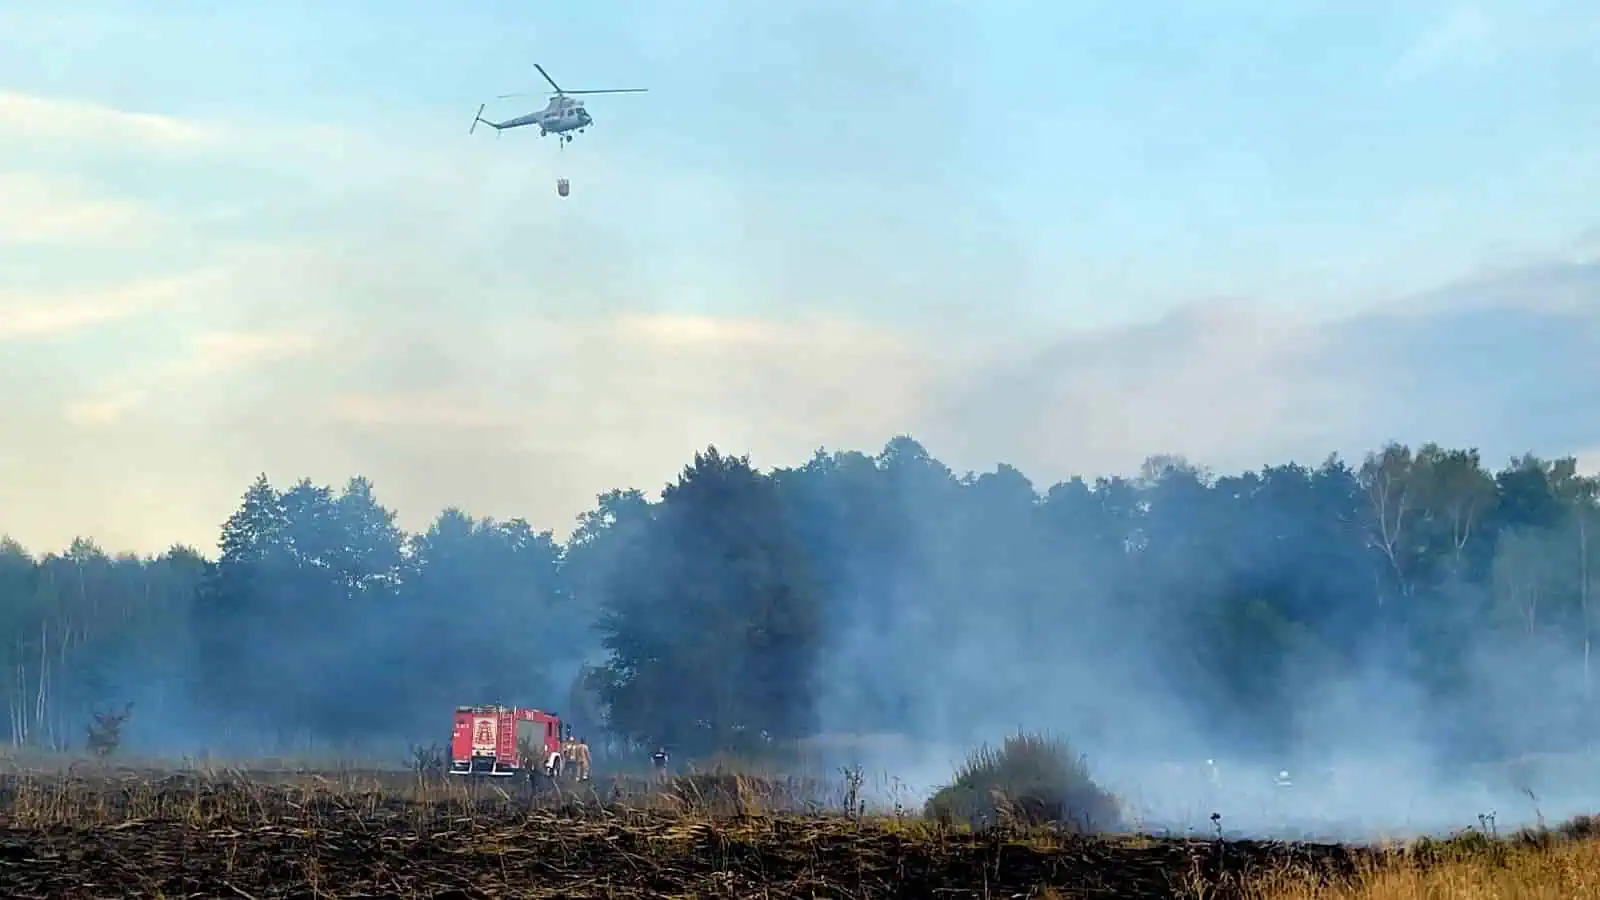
[484,732]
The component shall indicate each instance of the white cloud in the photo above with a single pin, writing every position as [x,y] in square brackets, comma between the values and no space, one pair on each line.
[47,136]
[65,221]
[210,356]
[423,409]
[82,254]
[1465,35]
[30,317]
[45,209]
[1586,249]
[223,351]
[103,409]
[34,118]
[1484,32]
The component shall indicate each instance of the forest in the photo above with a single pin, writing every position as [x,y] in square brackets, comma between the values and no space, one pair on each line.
[856,593]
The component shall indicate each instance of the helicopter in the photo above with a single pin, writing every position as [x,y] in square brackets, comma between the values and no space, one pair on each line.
[563,116]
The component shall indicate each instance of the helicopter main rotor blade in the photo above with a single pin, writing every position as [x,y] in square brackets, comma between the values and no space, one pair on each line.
[510,96]
[547,77]
[612,91]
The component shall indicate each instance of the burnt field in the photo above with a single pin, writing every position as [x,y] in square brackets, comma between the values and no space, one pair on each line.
[377,834]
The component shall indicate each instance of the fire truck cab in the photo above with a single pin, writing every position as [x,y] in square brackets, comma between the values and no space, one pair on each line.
[505,741]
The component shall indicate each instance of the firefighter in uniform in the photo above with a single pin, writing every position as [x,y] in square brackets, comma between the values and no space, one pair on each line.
[580,758]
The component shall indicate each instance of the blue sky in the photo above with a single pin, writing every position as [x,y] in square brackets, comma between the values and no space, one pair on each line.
[940,191]
[1313,150]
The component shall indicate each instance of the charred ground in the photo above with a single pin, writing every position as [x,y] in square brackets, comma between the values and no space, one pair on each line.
[260,834]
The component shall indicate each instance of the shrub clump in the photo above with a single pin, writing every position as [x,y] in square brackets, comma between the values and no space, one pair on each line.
[1030,780]
[105,732]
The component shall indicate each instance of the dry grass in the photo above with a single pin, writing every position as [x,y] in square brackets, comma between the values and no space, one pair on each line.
[1563,869]
[371,833]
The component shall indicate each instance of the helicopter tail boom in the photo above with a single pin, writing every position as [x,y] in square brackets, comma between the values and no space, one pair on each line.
[478,117]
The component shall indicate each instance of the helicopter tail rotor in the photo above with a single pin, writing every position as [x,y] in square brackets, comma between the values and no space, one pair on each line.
[477,117]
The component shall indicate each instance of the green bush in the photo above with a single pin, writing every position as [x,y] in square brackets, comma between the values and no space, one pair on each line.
[1030,780]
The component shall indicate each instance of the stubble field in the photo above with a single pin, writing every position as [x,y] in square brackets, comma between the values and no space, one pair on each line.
[91,833]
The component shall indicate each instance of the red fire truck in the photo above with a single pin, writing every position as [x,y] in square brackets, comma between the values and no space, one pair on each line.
[505,740]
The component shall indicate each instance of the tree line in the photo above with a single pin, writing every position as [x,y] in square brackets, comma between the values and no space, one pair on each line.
[854,593]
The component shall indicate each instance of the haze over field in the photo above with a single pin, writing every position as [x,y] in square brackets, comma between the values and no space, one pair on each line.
[1062,237]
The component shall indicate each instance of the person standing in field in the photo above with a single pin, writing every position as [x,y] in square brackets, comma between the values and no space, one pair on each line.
[580,757]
